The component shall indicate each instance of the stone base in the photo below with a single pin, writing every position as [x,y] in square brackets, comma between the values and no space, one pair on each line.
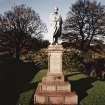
[53,77]
[54,92]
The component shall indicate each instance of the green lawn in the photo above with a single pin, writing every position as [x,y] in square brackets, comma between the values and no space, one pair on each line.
[90,91]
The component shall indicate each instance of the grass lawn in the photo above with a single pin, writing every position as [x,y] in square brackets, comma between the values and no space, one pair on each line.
[90,91]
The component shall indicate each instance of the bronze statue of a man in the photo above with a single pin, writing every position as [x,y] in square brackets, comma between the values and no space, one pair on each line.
[55,26]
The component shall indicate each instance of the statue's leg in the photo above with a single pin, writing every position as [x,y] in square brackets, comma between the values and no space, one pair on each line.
[53,39]
[56,39]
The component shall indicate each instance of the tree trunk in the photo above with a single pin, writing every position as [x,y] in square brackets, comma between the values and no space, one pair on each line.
[82,45]
[17,54]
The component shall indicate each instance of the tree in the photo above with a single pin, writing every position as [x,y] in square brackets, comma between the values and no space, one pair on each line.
[18,27]
[84,22]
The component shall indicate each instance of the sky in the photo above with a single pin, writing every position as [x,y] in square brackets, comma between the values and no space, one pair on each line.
[43,7]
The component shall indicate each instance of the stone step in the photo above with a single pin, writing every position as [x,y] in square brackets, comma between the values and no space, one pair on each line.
[57,93]
[53,77]
[54,86]
[55,104]
[56,98]
[55,82]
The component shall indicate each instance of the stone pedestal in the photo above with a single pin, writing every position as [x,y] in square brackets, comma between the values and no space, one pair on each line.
[53,90]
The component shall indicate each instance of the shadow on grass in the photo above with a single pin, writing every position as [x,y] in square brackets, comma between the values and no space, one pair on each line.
[15,79]
[81,86]
[68,75]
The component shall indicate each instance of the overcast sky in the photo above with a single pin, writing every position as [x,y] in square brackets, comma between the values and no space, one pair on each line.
[43,7]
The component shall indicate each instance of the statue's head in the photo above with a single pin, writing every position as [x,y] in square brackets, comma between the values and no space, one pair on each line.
[56,10]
